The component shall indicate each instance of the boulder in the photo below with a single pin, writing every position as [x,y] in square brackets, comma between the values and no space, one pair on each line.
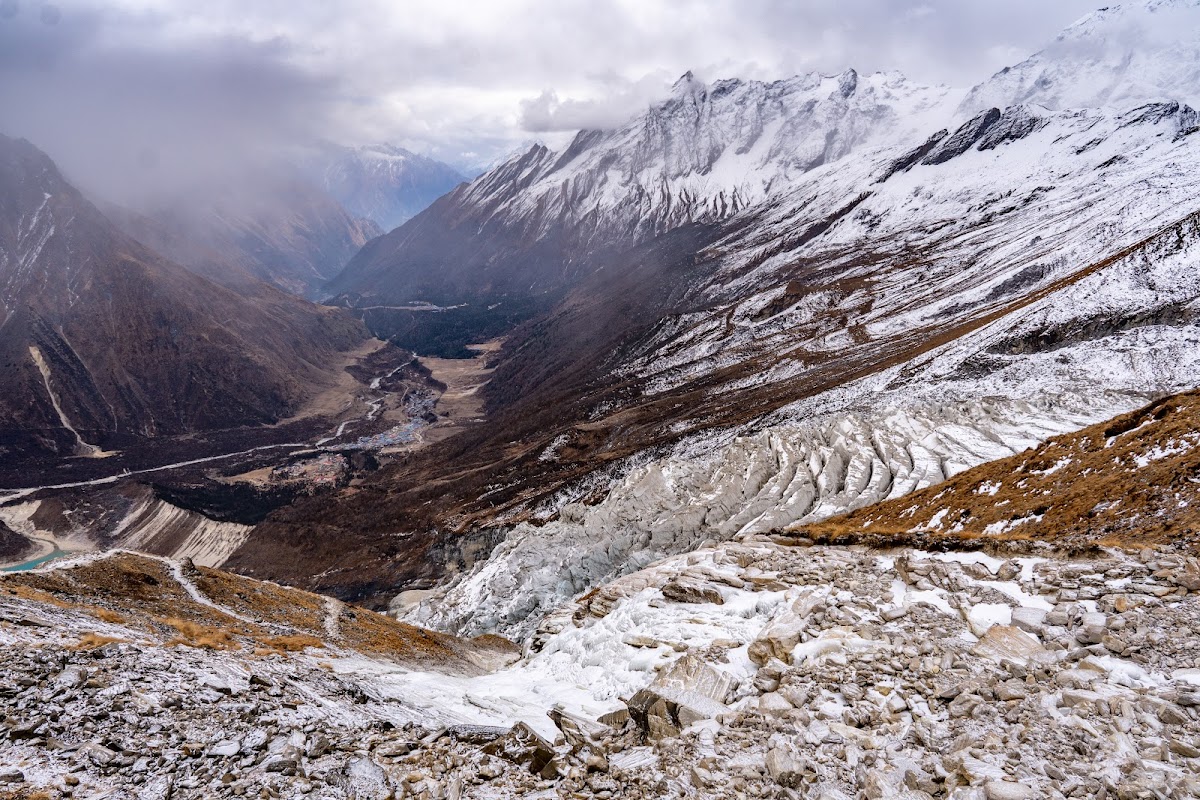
[577,731]
[688,692]
[773,704]
[1007,790]
[522,745]
[687,589]
[777,641]
[71,677]
[226,748]
[691,674]
[1007,641]
[1092,629]
[365,780]
[655,715]
[1030,620]
[784,767]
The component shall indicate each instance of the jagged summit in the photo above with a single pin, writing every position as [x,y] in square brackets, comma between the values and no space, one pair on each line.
[1118,57]
[686,79]
[704,154]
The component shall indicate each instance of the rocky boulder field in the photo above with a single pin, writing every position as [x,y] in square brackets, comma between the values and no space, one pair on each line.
[761,667]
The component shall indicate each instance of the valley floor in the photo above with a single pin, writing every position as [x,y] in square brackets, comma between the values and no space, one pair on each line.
[383,404]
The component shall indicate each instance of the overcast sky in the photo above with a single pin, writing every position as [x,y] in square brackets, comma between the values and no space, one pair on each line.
[111,88]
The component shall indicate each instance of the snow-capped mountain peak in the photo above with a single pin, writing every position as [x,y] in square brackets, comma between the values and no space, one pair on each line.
[719,147]
[1118,57]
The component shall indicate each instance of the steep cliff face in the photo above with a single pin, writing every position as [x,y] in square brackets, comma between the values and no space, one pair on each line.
[104,342]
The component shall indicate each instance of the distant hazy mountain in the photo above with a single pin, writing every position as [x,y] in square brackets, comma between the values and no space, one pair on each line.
[273,225]
[104,341]
[383,183]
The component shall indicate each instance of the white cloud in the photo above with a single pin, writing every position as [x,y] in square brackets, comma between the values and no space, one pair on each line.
[461,80]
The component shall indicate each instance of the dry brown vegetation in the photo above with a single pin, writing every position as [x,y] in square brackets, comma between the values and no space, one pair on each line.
[262,600]
[1132,481]
[90,641]
[142,594]
[36,595]
[193,634]
[107,615]
[360,629]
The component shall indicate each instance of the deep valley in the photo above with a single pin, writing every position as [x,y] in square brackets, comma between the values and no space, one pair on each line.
[828,436]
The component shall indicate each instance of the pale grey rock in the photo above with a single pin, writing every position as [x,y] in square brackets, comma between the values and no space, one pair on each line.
[1030,620]
[226,748]
[784,767]
[1006,790]
[774,704]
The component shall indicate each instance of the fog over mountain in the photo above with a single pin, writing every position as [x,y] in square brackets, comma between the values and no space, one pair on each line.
[138,98]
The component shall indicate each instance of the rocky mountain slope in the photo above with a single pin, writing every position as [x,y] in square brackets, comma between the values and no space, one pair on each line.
[1131,481]
[1026,254]
[382,183]
[755,667]
[106,343]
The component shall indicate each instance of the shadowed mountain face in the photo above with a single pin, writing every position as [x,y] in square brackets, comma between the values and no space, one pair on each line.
[104,342]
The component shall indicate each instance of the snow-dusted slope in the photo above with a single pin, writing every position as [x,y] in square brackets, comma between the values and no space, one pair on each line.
[1008,220]
[1121,56]
[1044,257]
[710,151]
[704,154]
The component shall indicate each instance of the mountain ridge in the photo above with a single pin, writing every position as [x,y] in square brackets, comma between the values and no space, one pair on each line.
[106,341]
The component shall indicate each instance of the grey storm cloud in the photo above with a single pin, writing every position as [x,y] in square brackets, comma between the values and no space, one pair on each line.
[127,114]
[132,94]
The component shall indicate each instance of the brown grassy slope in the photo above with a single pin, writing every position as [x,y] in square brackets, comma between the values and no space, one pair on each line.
[1131,481]
[144,593]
